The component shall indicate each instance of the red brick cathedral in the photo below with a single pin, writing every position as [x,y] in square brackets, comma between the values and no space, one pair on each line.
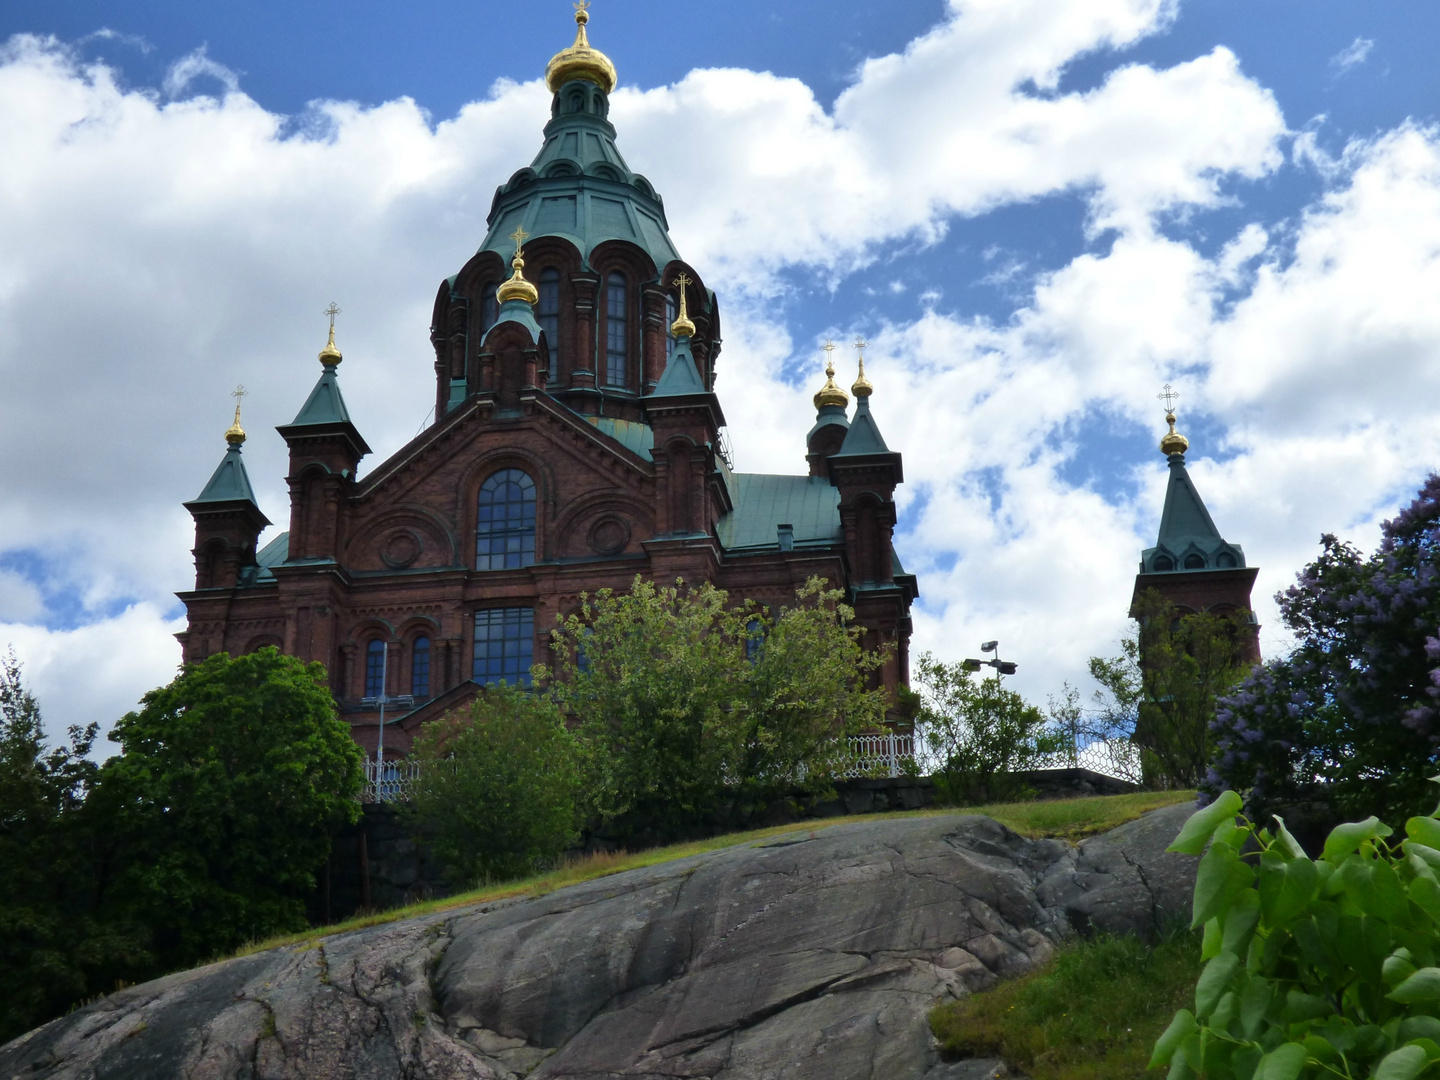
[578,441]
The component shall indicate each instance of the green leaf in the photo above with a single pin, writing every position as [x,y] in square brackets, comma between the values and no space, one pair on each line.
[1424,830]
[1300,1007]
[1286,843]
[1165,1046]
[1254,1003]
[1212,982]
[1240,922]
[1418,1027]
[1210,943]
[1426,893]
[1396,970]
[1201,824]
[1429,854]
[1423,986]
[1286,889]
[1282,1063]
[1219,873]
[1404,1064]
[1347,838]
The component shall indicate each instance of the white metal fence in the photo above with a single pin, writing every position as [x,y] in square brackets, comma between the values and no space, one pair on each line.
[881,755]
[390,782]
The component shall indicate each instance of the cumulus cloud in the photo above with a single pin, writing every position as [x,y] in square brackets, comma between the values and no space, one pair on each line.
[155,250]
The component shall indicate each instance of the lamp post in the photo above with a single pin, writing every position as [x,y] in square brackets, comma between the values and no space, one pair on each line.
[1002,667]
[401,700]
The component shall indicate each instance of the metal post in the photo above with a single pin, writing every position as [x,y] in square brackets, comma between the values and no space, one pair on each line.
[380,742]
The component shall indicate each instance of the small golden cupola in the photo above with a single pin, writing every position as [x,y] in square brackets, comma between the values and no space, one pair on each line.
[517,288]
[580,61]
[861,388]
[330,356]
[235,436]
[682,327]
[830,393]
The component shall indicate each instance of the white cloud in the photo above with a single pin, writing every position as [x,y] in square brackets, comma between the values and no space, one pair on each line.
[153,253]
[20,599]
[1353,55]
[197,65]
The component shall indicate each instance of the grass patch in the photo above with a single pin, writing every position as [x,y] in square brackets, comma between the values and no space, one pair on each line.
[1094,1014]
[1066,819]
[1074,819]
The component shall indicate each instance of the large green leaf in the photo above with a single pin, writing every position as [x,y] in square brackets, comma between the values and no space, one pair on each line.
[1180,1028]
[1203,823]
[1282,1063]
[1240,921]
[1426,893]
[1347,838]
[1424,830]
[1422,987]
[1254,1002]
[1286,888]
[1404,1064]
[1285,843]
[1213,981]
[1212,884]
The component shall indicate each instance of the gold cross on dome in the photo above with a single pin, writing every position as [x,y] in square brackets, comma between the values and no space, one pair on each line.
[238,393]
[861,345]
[582,5]
[1169,397]
[519,236]
[333,310]
[683,280]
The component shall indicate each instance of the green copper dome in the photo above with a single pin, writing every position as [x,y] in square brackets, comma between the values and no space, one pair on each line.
[579,187]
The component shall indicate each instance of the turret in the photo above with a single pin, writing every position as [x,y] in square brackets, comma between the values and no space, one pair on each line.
[867,472]
[228,521]
[831,422]
[325,451]
[1192,565]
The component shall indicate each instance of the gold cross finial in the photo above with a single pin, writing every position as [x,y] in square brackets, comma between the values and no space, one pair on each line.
[236,435]
[830,394]
[682,326]
[1169,396]
[862,387]
[582,11]
[333,310]
[330,355]
[519,236]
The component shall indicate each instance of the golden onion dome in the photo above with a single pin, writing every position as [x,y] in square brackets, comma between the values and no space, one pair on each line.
[830,393]
[580,61]
[682,326]
[1173,442]
[861,388]
[330,356]
[235,436]
[517,288]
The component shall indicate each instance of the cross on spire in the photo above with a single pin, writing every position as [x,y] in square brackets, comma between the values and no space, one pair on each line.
[1169,396]
[238,393]
[519,236]
[333,310]
[860,346]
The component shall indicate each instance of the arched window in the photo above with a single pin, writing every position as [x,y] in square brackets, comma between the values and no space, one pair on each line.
[420,667]
[1164,562]
[505,525]
[1194,561]
[670,314]
[375,668]
[616,330]
[1225,561]
[489,307]
[547,311]
[504,646]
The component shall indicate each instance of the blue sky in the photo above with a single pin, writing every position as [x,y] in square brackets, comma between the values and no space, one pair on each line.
[1036,210]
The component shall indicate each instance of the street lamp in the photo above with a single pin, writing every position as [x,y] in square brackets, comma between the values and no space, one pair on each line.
[404,701]
[1002,667]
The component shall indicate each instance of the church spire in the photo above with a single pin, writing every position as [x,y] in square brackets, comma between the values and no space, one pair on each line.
[230,482]
[830,394]
[580,61]
[324,411]
[681,375]
[864,435]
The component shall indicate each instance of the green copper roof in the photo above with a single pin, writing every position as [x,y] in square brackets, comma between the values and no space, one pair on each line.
[272,554]
[579,187]
[637,438]
[325,405]
[1188,537]
[864,435]
[521,313]
[763,502]
[827,416]
[681,375]
[229,482]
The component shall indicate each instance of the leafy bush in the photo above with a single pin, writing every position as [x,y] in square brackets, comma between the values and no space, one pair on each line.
[1354,707]
[498,787]
[1162,691]
[219,809]
[685,703]
[1092,1015]
[978,734]
[1326,968]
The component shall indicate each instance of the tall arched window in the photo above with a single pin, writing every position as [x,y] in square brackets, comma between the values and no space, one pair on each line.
[420,667]
[489,307]
[547,311]
[505,525]
[375,668]
[616,330]
[504,646]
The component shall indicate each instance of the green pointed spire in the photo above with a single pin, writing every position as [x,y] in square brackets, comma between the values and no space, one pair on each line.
[1188,537]
[681,376]
[229,482]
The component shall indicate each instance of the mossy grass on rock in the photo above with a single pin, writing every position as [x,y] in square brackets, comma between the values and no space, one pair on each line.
[808,955]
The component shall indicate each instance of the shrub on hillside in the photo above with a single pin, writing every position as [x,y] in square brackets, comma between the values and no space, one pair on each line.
[498,791]
[1323,968]
[978,734]
[219,809]
[686,704]
[1354,706]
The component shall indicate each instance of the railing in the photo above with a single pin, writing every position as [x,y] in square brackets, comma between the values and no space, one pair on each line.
[1119,758]
[393,785]
[881,755]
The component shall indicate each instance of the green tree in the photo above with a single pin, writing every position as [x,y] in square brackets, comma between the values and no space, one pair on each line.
[499,786]
[222,802]
[979,734]
[53,950]
[685,703]
[1165,683]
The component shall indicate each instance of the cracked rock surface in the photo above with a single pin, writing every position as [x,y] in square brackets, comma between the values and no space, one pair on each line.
[807,956]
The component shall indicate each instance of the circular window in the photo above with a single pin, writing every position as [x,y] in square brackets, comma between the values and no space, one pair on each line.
[609,536]
[401,549]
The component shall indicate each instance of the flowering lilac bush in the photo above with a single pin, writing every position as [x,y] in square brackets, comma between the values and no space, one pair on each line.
[1356,706]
